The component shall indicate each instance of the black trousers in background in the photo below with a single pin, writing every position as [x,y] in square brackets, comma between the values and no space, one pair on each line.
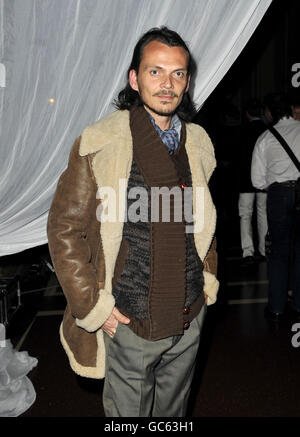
[284,229]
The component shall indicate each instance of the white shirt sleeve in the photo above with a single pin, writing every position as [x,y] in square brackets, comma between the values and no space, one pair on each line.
[259,166]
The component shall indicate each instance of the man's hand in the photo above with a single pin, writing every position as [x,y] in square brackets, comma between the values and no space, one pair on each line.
[110,325]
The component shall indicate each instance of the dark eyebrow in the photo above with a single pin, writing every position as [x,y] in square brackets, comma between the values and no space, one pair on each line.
[157,67]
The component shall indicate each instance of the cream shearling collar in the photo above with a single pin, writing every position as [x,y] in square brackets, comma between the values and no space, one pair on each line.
[109,130]
[116,127]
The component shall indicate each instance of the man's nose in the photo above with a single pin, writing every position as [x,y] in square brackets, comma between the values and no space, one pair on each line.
[167,82]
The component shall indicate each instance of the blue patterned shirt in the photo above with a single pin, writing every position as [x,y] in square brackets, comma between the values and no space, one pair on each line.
[170,137]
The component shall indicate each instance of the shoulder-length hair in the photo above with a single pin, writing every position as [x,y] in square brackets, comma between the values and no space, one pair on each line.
[129,97]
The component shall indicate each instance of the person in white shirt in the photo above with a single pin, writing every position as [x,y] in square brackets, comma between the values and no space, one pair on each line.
[273,170]
[248,195]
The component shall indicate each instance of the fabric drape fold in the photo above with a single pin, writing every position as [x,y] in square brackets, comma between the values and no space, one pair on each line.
[65,62]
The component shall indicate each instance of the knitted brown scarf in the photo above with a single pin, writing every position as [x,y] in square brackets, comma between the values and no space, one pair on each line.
[167,239]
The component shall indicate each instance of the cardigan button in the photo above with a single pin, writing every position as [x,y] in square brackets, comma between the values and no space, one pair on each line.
[186,310]
[186,325]
[183,186]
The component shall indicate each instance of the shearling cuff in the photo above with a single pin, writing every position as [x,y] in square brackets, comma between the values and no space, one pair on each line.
[99,314]
[211,287]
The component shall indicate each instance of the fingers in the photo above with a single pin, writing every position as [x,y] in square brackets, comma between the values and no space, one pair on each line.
[109,331]
[111,324]
[120,317]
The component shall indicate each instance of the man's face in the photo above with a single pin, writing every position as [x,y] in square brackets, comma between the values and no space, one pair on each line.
[162,79]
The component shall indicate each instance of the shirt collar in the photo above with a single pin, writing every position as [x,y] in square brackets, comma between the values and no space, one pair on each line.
[284,121]
[175,123]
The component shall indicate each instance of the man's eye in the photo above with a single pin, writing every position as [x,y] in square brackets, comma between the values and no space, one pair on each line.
[179,74]
[154,72]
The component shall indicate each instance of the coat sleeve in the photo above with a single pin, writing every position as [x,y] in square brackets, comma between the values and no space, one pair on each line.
[71,212]
[211,259]
[259,165]
[210,264]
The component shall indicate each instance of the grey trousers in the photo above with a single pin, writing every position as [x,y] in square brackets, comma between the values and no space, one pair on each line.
[150,378]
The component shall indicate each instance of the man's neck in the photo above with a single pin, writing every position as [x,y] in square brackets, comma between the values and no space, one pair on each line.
[162,121]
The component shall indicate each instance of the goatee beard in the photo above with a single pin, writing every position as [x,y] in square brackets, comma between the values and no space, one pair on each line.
[162,113]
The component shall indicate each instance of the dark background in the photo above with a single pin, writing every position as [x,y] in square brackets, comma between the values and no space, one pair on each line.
[263,67]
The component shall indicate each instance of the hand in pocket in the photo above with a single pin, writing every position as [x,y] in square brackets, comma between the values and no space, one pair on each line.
[111,324]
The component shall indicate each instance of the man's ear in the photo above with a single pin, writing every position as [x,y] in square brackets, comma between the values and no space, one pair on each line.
[133,80]
[188,83]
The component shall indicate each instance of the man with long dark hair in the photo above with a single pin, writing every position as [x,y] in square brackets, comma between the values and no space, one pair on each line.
[130,96]
[137,288]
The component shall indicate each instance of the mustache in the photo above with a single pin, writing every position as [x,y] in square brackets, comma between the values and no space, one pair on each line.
[165,93]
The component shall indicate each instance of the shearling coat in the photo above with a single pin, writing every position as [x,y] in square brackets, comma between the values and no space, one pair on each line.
[84,251]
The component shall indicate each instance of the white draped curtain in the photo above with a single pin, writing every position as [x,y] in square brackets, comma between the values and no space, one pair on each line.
[62,63]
